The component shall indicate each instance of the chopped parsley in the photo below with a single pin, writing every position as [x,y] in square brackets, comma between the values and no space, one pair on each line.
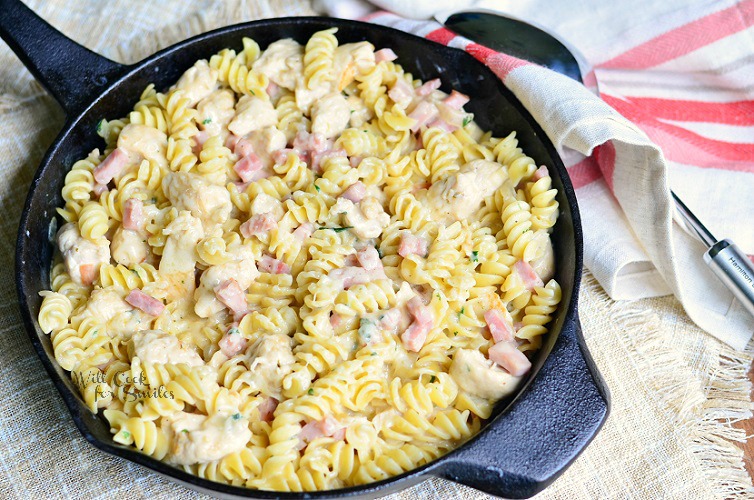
[373,353]
[252,92]
[206,121]
[467,119]
[316,187]
[125,434]
[455,334]
[134,271]
[310,392]
[95,333]
[233,331]
[344,93]
[474,256]
[367,327]
[99,125]
[185,430]
[463,310]
[236,416]
[432,380]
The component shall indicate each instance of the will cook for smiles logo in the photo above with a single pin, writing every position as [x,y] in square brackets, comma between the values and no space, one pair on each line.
[123,383]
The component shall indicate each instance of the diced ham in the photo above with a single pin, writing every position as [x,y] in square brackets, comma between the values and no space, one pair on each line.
[267,409]
[304,231]
[528,275]
[232,343]
[315,429]
[442,124]
[385,55]
[231,143]
[402,92]
[369,258]
[340,434]
[88,273]
[230,293]
[336,320]
[100,189]
[355,161]
[243,148]
[199,139]
[355,192]
[509,357]
[146,303]
[541,173]
[350,276]
[416,334]
[258,224]
[428,87]
[111,166]
[319,158]
[133,214]
[391,319]
[269,264]
[412,245]
[456,100]
[248,167]
[281,155]
[273,90]
[500,327]
[312,143]
[423,113]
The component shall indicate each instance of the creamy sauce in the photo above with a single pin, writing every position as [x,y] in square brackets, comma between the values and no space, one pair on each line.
[155,346]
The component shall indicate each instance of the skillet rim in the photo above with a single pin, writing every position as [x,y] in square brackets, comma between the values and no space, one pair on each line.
[379,487]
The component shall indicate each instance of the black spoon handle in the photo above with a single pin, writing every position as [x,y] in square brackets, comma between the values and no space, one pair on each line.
[73,74]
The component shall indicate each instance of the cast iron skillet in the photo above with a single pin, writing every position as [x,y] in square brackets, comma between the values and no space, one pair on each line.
[530,440]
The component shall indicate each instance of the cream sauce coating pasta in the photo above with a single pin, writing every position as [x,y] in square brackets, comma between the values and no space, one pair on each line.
[301,269]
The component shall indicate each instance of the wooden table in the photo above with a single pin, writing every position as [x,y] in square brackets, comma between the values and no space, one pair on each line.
[748,446]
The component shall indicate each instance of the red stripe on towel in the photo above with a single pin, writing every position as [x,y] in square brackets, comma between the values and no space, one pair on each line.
[686,38]
[584,173]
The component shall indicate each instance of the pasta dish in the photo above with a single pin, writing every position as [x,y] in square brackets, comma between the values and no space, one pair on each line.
[300,268]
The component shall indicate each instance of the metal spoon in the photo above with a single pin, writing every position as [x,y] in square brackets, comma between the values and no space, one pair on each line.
[524,40]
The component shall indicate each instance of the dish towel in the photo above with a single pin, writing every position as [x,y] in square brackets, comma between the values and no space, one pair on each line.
[677,110]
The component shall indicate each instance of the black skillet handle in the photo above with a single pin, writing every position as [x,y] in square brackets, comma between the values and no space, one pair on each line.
[543,431]
[73,74]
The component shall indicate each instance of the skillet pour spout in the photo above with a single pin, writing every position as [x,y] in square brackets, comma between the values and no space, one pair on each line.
[530,439]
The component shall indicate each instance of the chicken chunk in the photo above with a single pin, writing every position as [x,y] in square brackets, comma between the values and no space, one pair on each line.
[208,202]
[243,270]
[216,111]
[479,376]
[179,255]
[105,304]
[82,257]
[156,346]
[282,62]
[198,439]
[330,115]
[141,142]
[198,82]
[459,195]
[129,247]
[252,113]
[272,359]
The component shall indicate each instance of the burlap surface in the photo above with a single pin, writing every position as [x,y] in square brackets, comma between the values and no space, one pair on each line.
[675,389]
